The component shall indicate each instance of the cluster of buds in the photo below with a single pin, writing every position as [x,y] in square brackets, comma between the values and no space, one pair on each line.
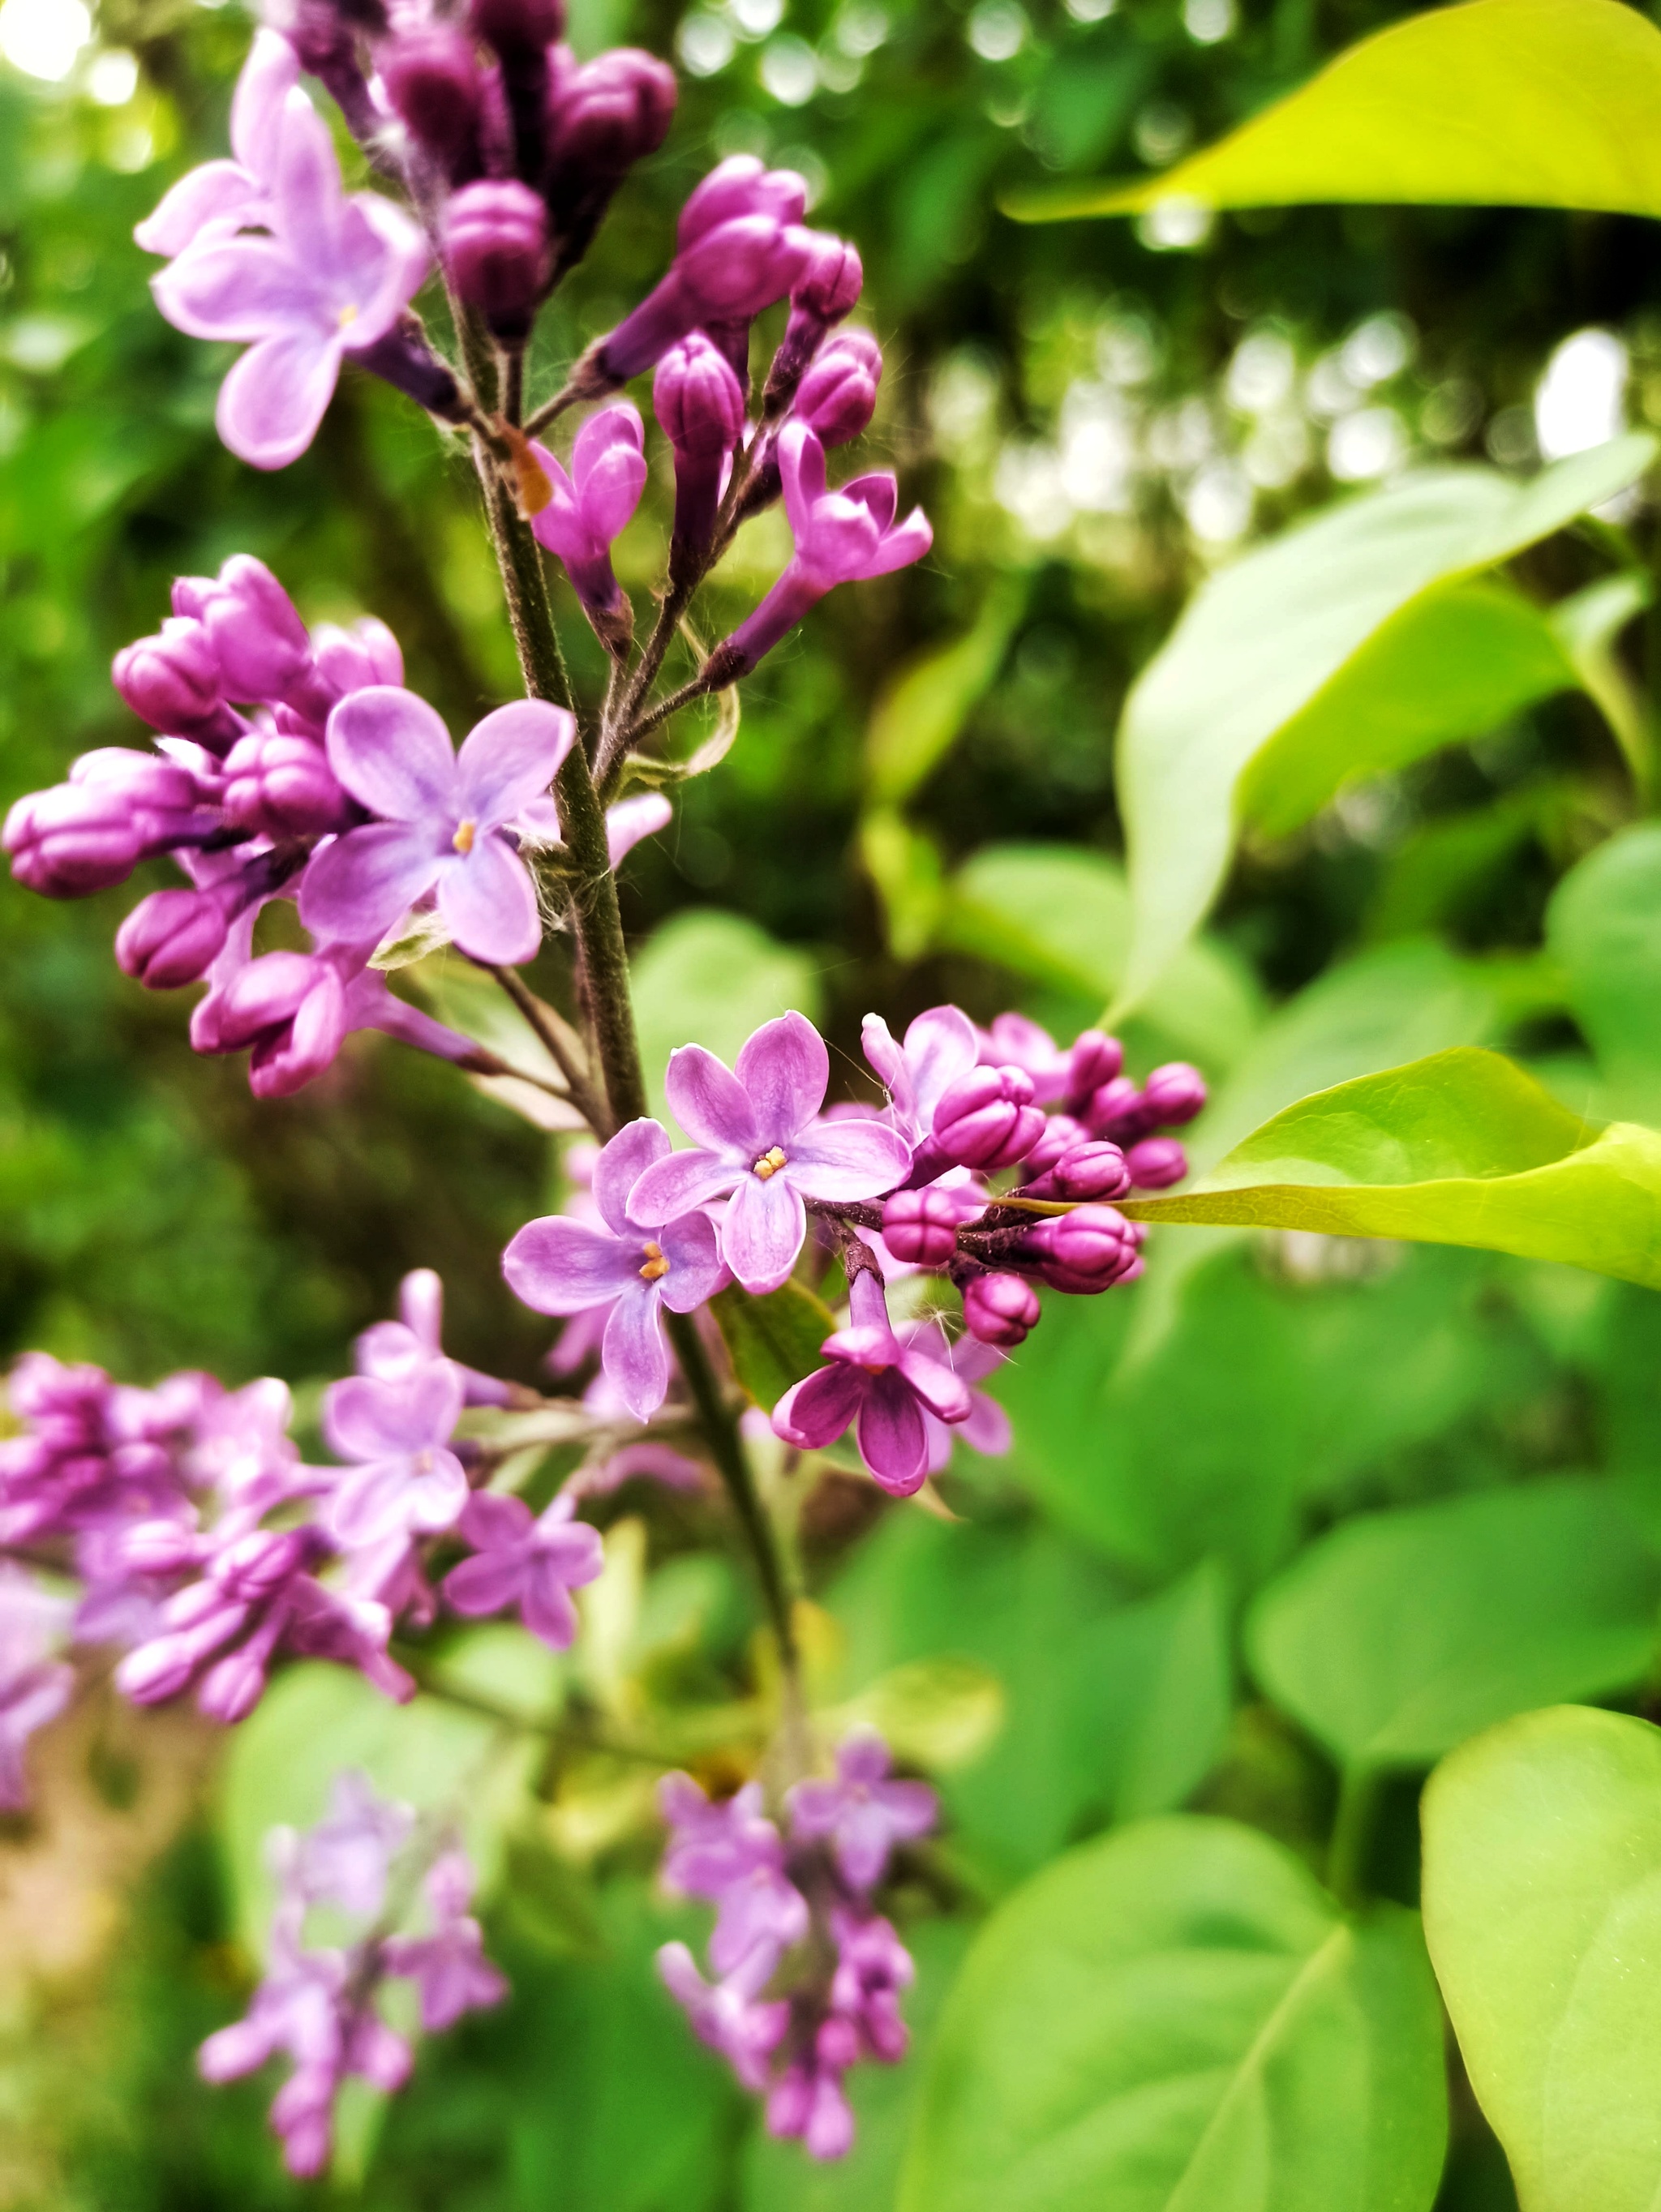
[293,765]
[318,2007]
[807,1972]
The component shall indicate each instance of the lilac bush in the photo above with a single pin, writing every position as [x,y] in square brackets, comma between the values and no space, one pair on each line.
[291,766]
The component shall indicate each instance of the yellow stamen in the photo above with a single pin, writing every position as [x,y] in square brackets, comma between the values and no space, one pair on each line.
[348,315]
[769,1163]
[656,1266]
[462,840]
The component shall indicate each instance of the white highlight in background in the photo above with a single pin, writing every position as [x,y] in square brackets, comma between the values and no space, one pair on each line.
[42,38]
[1580,401]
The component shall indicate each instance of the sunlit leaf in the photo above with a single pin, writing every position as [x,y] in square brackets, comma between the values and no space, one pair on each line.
[773,1340]
[1542,1912]
[1261,644]
[1398,1636]
[1530,103]
[1605,926]
[1179,2017]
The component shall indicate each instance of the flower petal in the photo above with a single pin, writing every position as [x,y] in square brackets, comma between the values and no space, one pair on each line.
[693,1251]
[682,1183]
[509,759]
[241,289]
[903,545]
[630,820]
[490,903]
[945,1394]
[393,753]
[710,1105]
[987,1429]
[495,1522]
[786,1069]
[893,1440]
[356,888]
[269,75]
[633,1352]
[384,263]
[620,1167]
[364,1417]
[273,398]
[559,1266]
[547,1610]
[814,1412]
[765,1227]
[215,192]
[940,1045]
[847,1159]
[802,465]
[609,464]
[487,1582]
[308,198]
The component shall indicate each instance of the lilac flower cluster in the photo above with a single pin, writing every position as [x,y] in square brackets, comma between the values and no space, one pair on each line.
[667,1228]
[318,2006]
[807,1973]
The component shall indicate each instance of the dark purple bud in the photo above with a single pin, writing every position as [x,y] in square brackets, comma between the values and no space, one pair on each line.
[172,681]
[921,1226]
[521,33]
[432,78]
[1000,1308]
[602,119]
[1153,1164]
[699,404]
[495,249]
[739,187]
[1095,1059]
[404,359]
[1173,1094]
[259,641]
[1095,1169]
[837,396]
[825,292]
[1082,1252]
[516,27]
[170,938]
[280,785]
[728,274]
[986,1119]
[324,35]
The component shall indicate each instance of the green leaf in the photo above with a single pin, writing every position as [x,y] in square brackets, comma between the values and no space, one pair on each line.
[1061,915]
[1542,1912]
[1501,103]
[922,709]
[904,865]
[1401,1634]
[1605,926]
[1462,1148]
[1178,2019]
[1262,641]
[711,978]
[774,1340]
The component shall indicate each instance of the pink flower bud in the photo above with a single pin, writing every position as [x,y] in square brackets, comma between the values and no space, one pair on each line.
[71,840]
[432,79]
[1060,1134]
[1153,1164]
[351,660]
[171,682]
[822,295]
[921,1226]
[280,785]
[1114,1110]
[1095,1169]
[495,249]
[699,403]
[738,188]
[837,396]
[606,115]
[1082,1252]
[170,938]
[1000,1308]
[1174,1094]
[259,641]
[986,1119]
[230,1691]
[1094,1060]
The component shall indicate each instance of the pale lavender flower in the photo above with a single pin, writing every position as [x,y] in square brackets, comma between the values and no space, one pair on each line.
[408,1480]
[530,1564]
[442,815]
[345,1858]
[393,1350]
[730,2015]
[448,1968]
[808,2099]
[940,1046]
[863,1813]
[332,275]
[34,1688]
[730,1854]
[759,1136]
[218,197]
[889,1387]
[590,507]
[872,1966]
[637,1261]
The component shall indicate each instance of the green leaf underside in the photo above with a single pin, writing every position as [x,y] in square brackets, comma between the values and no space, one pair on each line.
[1462,1148]
[1543,1911]
[1605,928]
[1175,2019]
[1268,644]
[1499,103]
[773,1340]
[1399,1635]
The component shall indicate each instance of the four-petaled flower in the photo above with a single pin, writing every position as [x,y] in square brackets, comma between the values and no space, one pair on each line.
[862,1813]
[891,1387]
[642,1258]
[532,1564]
[759,1137]
[590,506]
[443,818]
[407,1481]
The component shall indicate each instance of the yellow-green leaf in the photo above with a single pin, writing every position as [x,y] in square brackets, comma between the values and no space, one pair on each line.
[773,1340]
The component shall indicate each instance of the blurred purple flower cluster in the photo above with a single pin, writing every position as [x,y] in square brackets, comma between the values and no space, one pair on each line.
[807,1973]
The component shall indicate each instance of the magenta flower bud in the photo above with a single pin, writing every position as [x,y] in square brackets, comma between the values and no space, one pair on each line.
[171,682]
[515,27]
[1093,1170]
[921,1226]
[1082,1252]
[699,403]
[495,249]
[726,276]
[351,660]
[837,396]
[1095,1059]
[738,188]
[170,938]
[288,1009]
[1000,1308]
[602,119]
[1115,1111]
[1153,1164]
[71,840]
[825,292]
[1060,1134]
[986,1119]
[258,638]
[279,784]
[432,80]
[1173,1094]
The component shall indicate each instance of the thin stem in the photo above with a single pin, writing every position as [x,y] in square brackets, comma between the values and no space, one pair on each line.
[1349,1850]
[645,723]
[551,410]
[513,383]
[582,1094]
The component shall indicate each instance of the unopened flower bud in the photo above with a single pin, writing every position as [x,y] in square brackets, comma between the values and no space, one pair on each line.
[699,404]
[495,249]
[1093,1170]
[516,26]
[837,396]
[1174,1094]
[1000,1308]
[521,33]
[738,188]
[1153,1164]
[172,681]
[825,292]
[1060,1134]
[920,1227]
[986,1119]
[432,80]
[230,1689]
[258,638]
[351,660]
[170,938]
[1114,1110]
[280,785]
[1082,1252]
[602,117]
[69,841]
[1095,1059]
[724,277]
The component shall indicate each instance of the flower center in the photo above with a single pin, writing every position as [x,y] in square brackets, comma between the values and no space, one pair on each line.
[423,1462]
[769,1163]
[347,315]
[656,1266]
[466,833]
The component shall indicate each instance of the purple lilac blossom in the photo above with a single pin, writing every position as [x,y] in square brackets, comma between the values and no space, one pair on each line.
[730,2015]
[449,1966]
[392,1350]
[218,197]
[532,1564]
[495,249]
[887,1386]
[443,815]
[985,1428]
[940,1045]
[345,1859]
[590,507]
[863,1813]
[760,1137]
[407,1481]
[636,1262]
[729,1854]
[35,1687]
